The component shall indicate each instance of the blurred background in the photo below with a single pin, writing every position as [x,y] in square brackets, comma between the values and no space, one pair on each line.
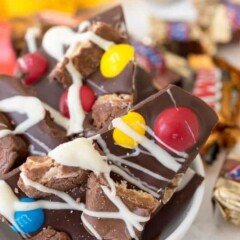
[187,36]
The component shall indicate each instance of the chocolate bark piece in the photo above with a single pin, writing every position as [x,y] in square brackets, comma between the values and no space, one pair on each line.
[51,234]
[49,173]
[13,149]
[87,55]
[171,215]
[123,83]
[138,202]
[160,224]
[171,97]
[43,136]
[109,106]
[66,221]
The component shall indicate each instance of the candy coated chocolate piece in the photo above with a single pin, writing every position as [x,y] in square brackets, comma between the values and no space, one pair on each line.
[177,128]
[29,221]
[86,96]
[31,67]
[136,122]
[115,59]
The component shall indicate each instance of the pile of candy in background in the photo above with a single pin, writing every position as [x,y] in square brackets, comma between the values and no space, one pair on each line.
[181,53]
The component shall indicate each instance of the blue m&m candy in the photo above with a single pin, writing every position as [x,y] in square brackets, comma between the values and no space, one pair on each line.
[29,221]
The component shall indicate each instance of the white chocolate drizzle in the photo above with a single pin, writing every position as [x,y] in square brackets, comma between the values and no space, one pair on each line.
[80,153]
[30,38]
[76,111]
[30,106]
[160,155]
[33,151]
[39,143]
[90,228]
[7,203]
[56,38]
[84,25]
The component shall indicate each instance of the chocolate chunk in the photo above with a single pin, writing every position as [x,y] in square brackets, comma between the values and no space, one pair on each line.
[60,74]
[105,31]
[138,202]
[51,234]
[13,149]
[49,173]
[86,56]
[44,135]
[107,107]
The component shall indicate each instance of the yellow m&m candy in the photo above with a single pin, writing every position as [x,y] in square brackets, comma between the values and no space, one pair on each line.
[115,59]
[135,121]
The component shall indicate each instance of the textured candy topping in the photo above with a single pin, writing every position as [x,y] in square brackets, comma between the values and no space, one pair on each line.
[178,128]
[115,59]
[32,67]
[87,98]
[137,123]
[29,221]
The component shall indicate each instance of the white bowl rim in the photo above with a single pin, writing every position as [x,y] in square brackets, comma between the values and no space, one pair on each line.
[196,201]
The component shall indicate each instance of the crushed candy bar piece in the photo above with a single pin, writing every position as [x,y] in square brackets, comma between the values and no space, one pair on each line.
[49,173]
[13,149]
[107,107]
[138,202]
[51,234]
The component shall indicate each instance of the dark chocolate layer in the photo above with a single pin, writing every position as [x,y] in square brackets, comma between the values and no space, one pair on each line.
[46,131]
[150,110]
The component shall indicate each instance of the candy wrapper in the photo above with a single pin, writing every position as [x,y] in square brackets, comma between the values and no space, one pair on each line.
[164,67]
[226,193]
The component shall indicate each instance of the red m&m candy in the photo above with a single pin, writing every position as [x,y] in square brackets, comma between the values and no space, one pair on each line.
[87,98]
[31,67]
[177,128]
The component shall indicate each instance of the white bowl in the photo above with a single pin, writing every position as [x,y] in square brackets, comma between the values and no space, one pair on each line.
[185,221]
[187,218]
